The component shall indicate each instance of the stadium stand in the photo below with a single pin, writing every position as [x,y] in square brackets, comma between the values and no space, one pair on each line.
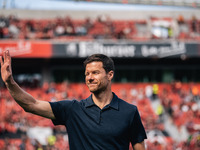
[103,27]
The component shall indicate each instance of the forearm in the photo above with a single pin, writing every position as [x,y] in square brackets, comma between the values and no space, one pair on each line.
[139,146]
[24,99]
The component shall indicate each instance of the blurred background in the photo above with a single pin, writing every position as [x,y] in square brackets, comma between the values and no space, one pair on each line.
[155,45]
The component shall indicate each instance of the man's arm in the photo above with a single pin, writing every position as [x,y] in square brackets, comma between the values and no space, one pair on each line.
[25,100]
[139,146]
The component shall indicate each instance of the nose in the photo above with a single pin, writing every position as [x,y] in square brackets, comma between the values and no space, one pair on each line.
[90,77]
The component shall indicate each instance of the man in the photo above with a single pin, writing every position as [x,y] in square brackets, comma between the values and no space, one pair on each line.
[100,122]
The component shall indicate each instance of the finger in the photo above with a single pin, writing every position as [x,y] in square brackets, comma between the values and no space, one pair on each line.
[1,60]
[8,56]
[4,55]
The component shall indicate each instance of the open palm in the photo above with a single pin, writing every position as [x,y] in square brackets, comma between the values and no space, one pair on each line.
[6,71]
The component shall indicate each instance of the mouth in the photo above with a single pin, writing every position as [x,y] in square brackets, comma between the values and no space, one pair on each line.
[92,84]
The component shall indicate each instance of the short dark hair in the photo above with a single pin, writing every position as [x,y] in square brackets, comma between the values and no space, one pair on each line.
[108,63]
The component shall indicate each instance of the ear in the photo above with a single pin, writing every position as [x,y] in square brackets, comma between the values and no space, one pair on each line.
[110,75]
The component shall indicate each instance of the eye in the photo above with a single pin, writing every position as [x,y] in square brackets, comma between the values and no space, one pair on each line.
[96,72]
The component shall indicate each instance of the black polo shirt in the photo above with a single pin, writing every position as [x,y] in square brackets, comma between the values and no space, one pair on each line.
[92,128]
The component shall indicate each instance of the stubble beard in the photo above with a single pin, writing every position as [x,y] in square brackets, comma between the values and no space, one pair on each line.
[99,89]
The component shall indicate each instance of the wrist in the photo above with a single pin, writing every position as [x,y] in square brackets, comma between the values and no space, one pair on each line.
[10,82]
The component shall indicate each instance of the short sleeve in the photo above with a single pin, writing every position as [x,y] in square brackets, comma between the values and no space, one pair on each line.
[61,110]
[138,133]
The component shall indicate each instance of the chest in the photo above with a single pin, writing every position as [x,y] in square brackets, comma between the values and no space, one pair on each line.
[109,123]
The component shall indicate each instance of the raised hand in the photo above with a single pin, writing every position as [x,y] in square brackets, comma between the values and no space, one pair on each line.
[6,71]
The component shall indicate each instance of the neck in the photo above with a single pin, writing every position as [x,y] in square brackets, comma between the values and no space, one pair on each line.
[102,99]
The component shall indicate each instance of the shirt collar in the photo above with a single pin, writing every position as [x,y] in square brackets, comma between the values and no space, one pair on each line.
[89,102]
[113,104]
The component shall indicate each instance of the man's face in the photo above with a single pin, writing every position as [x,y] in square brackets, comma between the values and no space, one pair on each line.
[96,77]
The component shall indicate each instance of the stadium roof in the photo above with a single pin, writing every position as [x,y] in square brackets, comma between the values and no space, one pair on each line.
[80,5]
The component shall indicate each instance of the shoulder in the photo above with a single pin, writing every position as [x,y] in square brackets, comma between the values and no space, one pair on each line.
[127,106]
[122,103]
[70,102]
[127,109]
[63,104]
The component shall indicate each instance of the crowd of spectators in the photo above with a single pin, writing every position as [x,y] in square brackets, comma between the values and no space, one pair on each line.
[103,27]
[176,101]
